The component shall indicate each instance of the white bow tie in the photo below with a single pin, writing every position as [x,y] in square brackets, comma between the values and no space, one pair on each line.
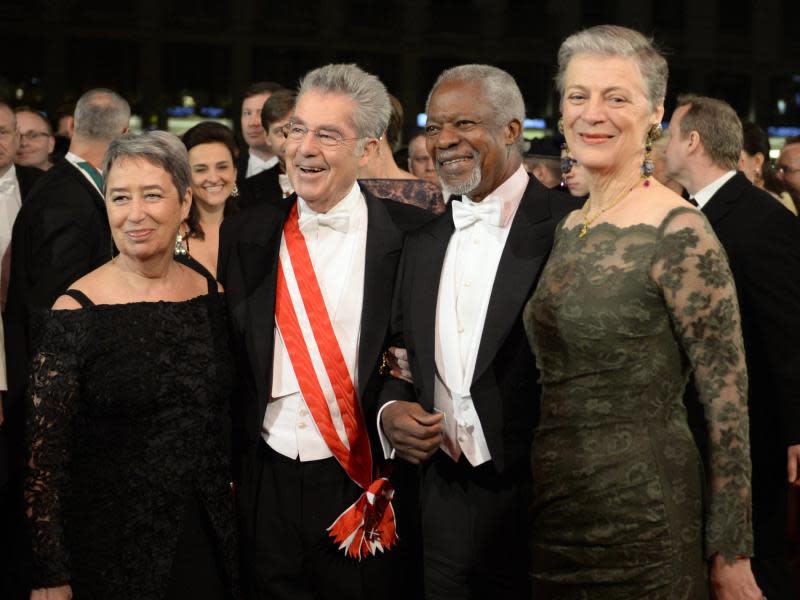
[7,185]
[465,214]
[310,223]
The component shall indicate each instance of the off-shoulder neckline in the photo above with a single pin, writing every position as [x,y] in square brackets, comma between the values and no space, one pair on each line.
[139,303]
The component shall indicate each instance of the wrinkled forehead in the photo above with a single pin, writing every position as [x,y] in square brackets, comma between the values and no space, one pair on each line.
[317,109]
[457,97]
[791,153]
[29,120]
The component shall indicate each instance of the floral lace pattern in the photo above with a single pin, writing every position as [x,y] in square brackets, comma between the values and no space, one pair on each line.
[618,321]
[128,409]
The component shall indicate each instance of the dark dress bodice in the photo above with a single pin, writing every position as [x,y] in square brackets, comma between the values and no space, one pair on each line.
[128,428]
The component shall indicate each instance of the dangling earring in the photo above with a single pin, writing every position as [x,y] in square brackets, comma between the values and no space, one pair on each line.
[180,245]
[648,168]
[235,191]
[560,126]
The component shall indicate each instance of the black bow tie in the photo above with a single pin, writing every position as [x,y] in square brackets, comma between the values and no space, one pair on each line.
[693,202]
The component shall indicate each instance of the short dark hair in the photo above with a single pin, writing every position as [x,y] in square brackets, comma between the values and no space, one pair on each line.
[279,104]
[718,125]
[38,113]
[394,130]
[209,132]
[756,141]
[261,87]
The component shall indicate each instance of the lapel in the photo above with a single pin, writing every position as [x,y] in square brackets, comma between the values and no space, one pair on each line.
[384,244]
[75,172]
[527,246]
[425,294]
[258,257]
[725,199]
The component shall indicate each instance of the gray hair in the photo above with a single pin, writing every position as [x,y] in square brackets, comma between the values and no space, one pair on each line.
[502,93]
[372,110]
[101,115]
[717,124]
[614,40]
[159,148]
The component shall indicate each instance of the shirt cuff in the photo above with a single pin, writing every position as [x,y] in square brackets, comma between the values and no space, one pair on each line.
[388,451]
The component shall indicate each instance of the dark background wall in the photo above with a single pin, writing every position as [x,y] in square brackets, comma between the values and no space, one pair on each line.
[156,52]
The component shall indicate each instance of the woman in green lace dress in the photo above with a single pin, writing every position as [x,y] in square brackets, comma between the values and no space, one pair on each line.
[636,295]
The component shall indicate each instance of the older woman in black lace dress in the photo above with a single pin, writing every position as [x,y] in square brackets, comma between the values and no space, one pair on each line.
[128,494]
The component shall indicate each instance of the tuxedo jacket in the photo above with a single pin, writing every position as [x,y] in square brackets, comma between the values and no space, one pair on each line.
[261,188]
[61,233]
[505,387]
[247,267]
[762,240]
[27,177]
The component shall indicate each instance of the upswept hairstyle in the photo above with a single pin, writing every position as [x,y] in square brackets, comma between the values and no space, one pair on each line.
[159,148]
[614,40]
[101,115]
[718,125]
[501,91]
[372,107]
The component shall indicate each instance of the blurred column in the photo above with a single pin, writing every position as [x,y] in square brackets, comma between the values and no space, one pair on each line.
[700,42]
[415,20]
[767,26]
[54,77]
[151,100]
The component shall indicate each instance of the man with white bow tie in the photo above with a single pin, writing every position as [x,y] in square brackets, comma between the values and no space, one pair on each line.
[308,281]
[463,283]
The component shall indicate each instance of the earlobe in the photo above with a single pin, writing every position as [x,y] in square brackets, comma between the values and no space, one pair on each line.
[513,131]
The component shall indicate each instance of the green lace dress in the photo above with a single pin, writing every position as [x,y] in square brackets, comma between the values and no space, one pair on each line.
[618,321]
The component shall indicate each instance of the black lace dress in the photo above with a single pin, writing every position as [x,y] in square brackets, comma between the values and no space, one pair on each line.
[129,458]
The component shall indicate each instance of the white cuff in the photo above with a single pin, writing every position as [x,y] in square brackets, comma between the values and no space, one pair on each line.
[388,451]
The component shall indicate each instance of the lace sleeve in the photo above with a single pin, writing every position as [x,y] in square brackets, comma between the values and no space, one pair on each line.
[52,394]
[692,271]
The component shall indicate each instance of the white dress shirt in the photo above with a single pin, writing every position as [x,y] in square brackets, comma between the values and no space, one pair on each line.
[256,165]
[703,196]
[10,203]
[465,287]
[338,258]
[286,185]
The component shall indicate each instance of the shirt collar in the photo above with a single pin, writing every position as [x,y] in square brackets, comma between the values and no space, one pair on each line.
[345,205]
[508,195]
[703,196]
[10,174]
[261,164]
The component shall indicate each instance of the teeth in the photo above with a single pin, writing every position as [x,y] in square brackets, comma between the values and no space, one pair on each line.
[310,169]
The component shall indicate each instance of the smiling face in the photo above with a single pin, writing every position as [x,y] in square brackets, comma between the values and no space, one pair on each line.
[144,209]
[213,174]
[606,112]
[323,175]
[471,154]
[252,130]
[36,142]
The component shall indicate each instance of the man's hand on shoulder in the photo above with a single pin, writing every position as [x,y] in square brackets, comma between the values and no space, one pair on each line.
[414,433]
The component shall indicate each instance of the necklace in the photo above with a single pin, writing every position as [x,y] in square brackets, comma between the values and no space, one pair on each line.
[587,221]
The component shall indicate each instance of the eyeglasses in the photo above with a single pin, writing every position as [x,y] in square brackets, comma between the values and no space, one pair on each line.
[783,170]
[32,136]
[326,137]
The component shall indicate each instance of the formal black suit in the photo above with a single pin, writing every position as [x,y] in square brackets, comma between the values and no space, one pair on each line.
[504,391]
[27,177]
[761,239]
[60,234]
[247,267]
[260,188]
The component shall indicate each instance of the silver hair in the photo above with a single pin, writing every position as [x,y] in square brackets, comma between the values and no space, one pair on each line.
[159,148]
[614,40]
[372,110]
[501,90]
[101,115]
[717,124]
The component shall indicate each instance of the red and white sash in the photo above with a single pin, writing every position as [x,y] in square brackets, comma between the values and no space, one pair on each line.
[368,525]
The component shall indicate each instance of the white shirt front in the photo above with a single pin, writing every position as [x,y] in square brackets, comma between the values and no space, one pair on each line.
[10,203]
[465,288]
[286,185]
[703,196]
[256,165]
[338,259]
